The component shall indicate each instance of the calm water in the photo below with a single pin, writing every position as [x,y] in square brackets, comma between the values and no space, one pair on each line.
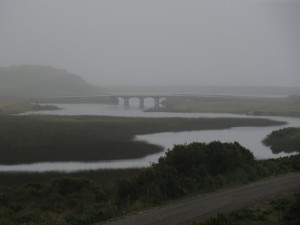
[250,137]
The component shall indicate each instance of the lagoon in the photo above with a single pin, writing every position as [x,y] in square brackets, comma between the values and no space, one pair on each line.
[249,137]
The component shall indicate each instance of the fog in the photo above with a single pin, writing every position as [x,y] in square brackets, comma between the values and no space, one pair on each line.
[157,42]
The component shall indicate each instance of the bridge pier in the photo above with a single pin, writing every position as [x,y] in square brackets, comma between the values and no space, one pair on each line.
[126,102]
[142,102]
[156,102]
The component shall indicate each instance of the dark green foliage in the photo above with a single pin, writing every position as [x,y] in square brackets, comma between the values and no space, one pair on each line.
[186,169]
[91,214]
[281,165]
[75,200]
[212,159]
[104,177]
[284,140]
[292,211]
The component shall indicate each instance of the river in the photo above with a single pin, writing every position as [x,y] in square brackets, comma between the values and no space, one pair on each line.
[250,137]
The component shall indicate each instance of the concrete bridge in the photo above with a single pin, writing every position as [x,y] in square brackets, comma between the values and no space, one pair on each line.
[141,98]
[124,96]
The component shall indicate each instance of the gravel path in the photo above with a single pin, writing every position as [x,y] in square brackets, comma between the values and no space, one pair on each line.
[200,207]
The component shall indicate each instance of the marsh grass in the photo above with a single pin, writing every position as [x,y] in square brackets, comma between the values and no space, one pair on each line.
[28,139]
[233,104]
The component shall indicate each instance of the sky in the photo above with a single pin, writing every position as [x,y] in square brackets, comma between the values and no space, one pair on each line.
[157,42]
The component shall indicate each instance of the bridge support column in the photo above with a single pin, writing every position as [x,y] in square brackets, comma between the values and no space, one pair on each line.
[156,102]
[126,102]
[142,102]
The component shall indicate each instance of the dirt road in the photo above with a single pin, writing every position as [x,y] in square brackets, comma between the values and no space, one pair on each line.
[200,207]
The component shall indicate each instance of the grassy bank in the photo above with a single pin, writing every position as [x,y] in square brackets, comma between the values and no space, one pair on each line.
[15,106]
[27,139]
[9,106]
[238,105]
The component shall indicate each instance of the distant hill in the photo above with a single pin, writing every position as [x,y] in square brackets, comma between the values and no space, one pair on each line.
[42,81]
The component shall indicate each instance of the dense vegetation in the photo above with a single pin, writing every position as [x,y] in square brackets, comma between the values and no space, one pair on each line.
[284,140]
[185,170]
[105,177]
[27,139]
[281,210]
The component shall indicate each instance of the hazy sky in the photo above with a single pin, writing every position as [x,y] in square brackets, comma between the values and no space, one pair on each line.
[167,42]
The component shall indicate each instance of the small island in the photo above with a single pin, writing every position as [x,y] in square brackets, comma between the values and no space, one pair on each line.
[284,140]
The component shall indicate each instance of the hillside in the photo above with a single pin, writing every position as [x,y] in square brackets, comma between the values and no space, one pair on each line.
[33,81]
